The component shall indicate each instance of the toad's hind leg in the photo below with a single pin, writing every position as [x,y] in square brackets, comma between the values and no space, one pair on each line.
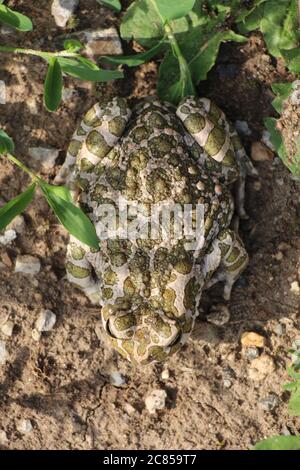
[80,271]
[225,262]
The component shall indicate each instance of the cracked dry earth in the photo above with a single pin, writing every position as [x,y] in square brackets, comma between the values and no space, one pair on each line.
[76,392]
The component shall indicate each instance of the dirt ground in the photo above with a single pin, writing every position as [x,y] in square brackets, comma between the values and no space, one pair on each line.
[62,383]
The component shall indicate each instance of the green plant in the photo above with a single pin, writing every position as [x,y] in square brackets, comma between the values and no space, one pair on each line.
[278,20]
[288,442]
[283,92]
[68,61]
[187,33]
[58,197]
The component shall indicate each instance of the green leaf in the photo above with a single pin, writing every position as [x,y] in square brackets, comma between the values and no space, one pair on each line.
[142,23]
[292,58]
[71,217]
[6,143]
[275,137]
[15,206]
[136,59]
[114,4]
[84,70]
[294,403]
[283,91]
[15,19]
[172,10]
[277,20]
[61,191]
[53,85]
[73,45]
[279,443]
[205,58]
[172,83]
[293,163]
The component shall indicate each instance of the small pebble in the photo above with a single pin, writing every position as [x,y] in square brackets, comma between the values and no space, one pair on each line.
[7,328]
[156,400]
[219,315]
[165,375]
[278,256]
[261,367]
[36,335]
[45,156]
[46,321]
[252,339]
[3,352]
[7,237]
[27,264]
[101,41]
[242,127]
[117,379]
[5,29]
[280,329]
[24,426]
[261,153]
[17,224]
[3,437]
[295,287]
[227,383]
[251,353]
[270,402]
[67,94]
[62,10]
[130,410]
[266,139]
[257,185]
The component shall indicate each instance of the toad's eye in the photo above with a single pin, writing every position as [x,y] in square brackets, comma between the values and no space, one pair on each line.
[176,339]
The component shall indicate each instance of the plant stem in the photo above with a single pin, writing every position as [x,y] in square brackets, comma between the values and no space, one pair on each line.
[184,68]
[44,55]
[15,161]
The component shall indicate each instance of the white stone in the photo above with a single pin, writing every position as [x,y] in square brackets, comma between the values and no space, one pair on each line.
[36,335]
[97,42]
[45,156]
[3,437]
[62,10]
[165,375]
[67,94]
[27,264]
[5,29]
[266,139]
[7,328]
[116,379]
[3,352]
[46,321]
[17,224]
[24,426]
[242,127]
[8,237]
[156,400]
[295,287]
[2,92]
